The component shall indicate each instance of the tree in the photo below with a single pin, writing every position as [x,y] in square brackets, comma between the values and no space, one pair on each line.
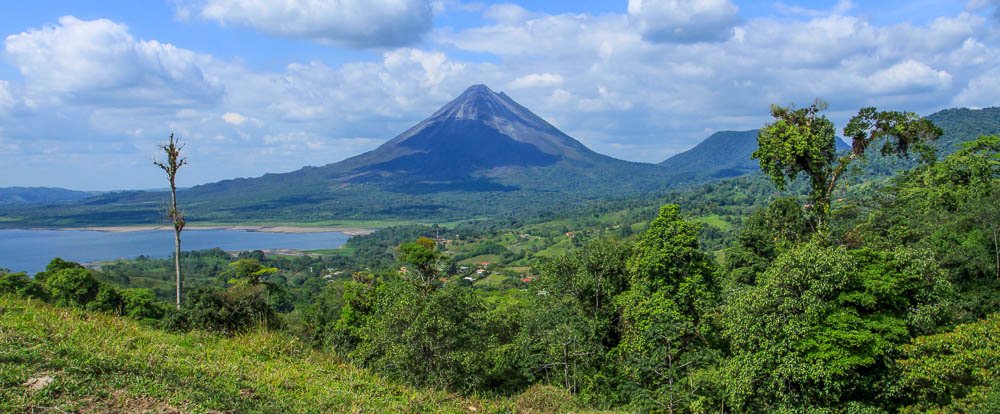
[71,286]
[802,141]
[821,326]
[953,371]
[766,233]
[174,162]
[249,272]
[665,334]
[951,207]
[424,257]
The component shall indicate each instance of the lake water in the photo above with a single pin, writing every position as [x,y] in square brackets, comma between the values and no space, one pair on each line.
[31,250]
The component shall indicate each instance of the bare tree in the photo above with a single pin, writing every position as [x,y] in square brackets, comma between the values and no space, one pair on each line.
[174,162]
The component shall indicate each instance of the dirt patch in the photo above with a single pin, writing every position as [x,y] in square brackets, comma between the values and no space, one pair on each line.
[38,383]
[120,402]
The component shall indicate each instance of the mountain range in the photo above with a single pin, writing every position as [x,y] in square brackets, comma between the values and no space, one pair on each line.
[480,155]
[41,195]
[723,154]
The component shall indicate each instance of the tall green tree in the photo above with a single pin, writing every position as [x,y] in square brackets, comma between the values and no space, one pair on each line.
[822,325]
[174,162]
[765,234]
[951,208]
[803,141]
[666,334]
[423,257]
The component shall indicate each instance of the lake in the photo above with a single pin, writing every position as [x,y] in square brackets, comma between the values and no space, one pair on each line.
[31,250]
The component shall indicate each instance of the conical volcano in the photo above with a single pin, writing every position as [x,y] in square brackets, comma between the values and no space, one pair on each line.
[478,131]
[478,155]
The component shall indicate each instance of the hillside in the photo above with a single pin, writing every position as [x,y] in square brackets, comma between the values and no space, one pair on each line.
[723,154]
[41,195]
[481,155]
[100,363]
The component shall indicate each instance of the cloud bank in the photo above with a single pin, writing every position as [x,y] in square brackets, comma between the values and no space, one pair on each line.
[351,23]
[93,99]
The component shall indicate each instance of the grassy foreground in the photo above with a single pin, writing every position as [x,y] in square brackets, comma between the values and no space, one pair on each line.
[100,363]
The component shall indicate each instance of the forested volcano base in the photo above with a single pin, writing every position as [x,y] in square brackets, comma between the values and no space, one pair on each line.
[888,304]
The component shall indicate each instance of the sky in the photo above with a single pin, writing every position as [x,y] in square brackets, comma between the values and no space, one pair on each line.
[88,90]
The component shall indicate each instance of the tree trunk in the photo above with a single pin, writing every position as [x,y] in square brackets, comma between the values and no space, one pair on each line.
[996,250]
[177,239]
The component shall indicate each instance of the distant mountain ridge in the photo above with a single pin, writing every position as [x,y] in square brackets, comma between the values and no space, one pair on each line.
[41,195]
[723,154]
[480,155]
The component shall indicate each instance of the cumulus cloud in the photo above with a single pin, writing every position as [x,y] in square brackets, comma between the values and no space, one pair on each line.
[536,80]
[981,91]
[593,75]
[234,118]
[842,7]
[684,21]
[508,13]
[979,5]
[98,60]
[351,23]
[908,77]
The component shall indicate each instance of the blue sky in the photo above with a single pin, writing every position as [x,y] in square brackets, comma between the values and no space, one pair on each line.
[88,89]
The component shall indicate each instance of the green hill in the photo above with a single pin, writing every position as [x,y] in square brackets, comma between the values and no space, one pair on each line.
[66,360]
[41,195]
[723,154]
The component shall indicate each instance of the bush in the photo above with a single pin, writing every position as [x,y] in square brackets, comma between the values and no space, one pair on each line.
[538,399]
[142,304]
[19,284]
[108,299]
[71,287]
[227,311]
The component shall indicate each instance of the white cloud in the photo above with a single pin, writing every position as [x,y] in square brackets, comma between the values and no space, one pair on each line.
[536,80]
[982,91]
[352,23]
[99,61]
[593,75]
[841,8]
[684,21]
[234,118]
[508,13]
[909,77]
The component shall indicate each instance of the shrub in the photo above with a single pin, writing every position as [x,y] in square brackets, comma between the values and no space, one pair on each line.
[108,299]
[19,284]
[227,311]
[71,287]
[538,399]
[142,304]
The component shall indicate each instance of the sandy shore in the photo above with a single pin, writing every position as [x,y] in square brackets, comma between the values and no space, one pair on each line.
[350,231]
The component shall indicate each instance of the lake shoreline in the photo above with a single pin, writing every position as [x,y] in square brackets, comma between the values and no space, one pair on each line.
[350,231]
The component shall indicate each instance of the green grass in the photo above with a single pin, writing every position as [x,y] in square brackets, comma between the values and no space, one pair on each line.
[342,251]
[101,363]
[560,248]
[714,220]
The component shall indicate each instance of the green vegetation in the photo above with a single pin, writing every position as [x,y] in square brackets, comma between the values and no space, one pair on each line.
[101,363]
[732,297]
